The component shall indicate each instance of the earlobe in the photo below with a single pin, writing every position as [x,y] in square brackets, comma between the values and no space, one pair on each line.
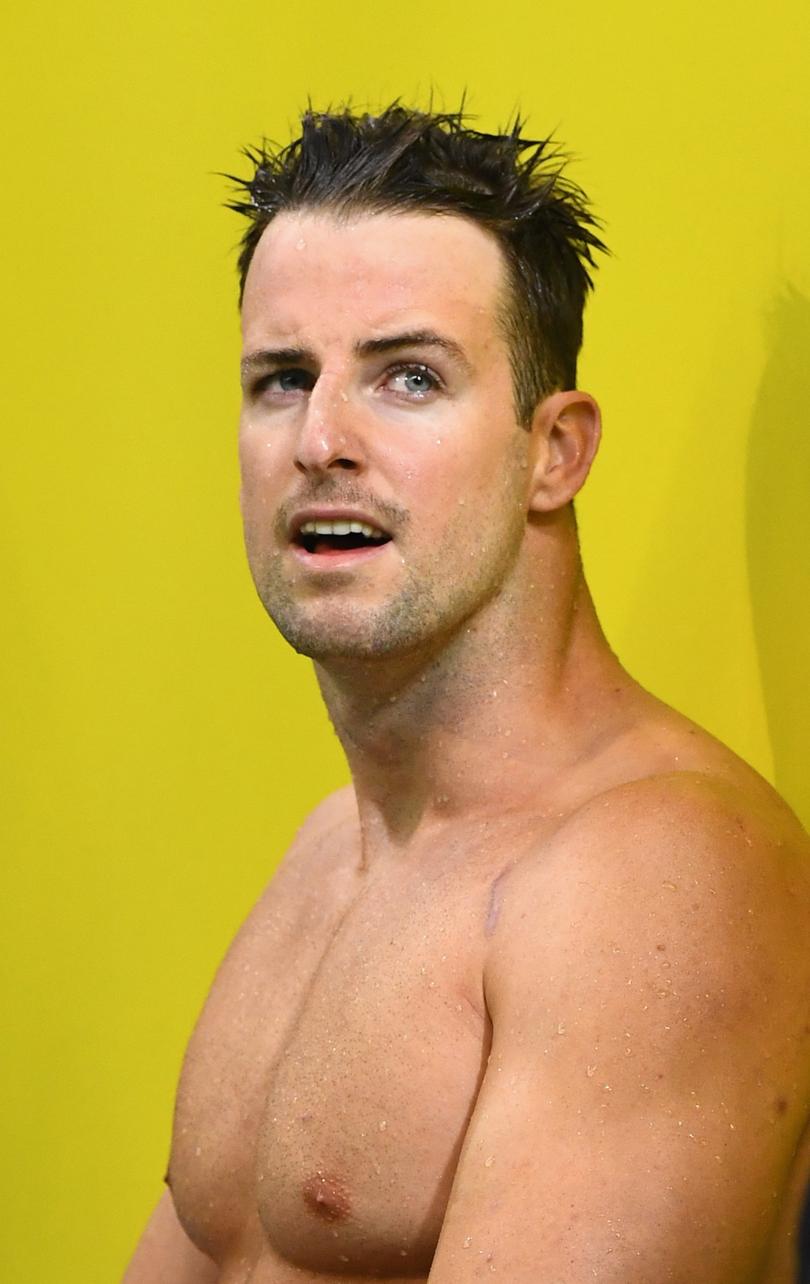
[568,427]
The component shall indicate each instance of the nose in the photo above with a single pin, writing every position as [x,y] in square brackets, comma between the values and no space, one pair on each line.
[327,438]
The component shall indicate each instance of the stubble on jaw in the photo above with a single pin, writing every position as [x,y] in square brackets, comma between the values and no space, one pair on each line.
[318,624]
[425,611]
[332,629]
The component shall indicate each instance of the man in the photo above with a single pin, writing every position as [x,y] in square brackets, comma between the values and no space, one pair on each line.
[530,998]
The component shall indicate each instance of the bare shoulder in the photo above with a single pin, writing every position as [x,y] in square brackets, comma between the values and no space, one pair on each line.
[700,819]
[307,882]
[326,830]
[694,833]
[281,934]
[725,838]
[648,1082]
[319,845]
[681,897]
[690,849]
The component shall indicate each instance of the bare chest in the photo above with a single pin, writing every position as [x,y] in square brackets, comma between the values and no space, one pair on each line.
[329,1083]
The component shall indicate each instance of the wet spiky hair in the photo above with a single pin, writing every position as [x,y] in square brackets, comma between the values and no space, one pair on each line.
[406,160]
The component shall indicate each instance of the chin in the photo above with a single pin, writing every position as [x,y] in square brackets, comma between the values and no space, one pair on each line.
[335,631]
[324,645]
[366,636]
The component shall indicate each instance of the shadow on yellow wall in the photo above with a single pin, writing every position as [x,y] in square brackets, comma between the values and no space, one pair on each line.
[778,542]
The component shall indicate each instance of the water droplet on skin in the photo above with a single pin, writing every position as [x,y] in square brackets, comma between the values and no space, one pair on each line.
[489,1161]
[590,1071]
[383,1125]
[344,396]
[561,1027]
[467,1242]
[672,886]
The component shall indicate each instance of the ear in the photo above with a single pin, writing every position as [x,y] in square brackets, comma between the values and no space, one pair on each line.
[566,427]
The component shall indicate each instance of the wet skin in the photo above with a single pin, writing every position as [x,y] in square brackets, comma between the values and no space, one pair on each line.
[530,997]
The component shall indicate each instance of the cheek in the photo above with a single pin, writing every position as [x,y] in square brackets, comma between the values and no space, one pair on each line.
[467,506]
[259,470]
[482,475]
[259,459]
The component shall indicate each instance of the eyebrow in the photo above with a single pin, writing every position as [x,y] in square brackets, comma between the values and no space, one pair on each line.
[264,357]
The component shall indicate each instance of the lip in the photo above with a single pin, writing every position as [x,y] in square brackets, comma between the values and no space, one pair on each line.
[349,557]
[335,560]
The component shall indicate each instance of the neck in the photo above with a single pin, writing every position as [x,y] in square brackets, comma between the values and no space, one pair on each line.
[482,723]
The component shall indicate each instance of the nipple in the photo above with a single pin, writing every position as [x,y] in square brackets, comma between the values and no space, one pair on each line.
[327,1197]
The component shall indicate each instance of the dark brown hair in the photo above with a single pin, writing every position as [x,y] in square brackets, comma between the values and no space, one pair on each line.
[407,160]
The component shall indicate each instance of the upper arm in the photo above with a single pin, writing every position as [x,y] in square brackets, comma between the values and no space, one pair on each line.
[643,1095]
[165,1254]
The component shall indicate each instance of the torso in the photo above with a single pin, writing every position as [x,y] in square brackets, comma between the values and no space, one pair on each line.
[332,1075]
[330,1080]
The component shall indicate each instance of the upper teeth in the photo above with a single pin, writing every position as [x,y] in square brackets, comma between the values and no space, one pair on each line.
[341,528]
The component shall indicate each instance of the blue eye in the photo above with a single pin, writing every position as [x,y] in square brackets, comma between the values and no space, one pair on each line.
[415,379]
[291,380]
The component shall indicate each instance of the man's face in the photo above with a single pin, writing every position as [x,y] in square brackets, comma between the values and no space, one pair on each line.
[377,391]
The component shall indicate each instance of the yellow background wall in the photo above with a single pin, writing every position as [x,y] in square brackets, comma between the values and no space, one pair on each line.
[161,744]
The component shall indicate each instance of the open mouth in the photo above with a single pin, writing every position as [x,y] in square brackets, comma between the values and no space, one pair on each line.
[331,538]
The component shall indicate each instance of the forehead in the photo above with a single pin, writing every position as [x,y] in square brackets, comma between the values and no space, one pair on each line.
[318,274]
